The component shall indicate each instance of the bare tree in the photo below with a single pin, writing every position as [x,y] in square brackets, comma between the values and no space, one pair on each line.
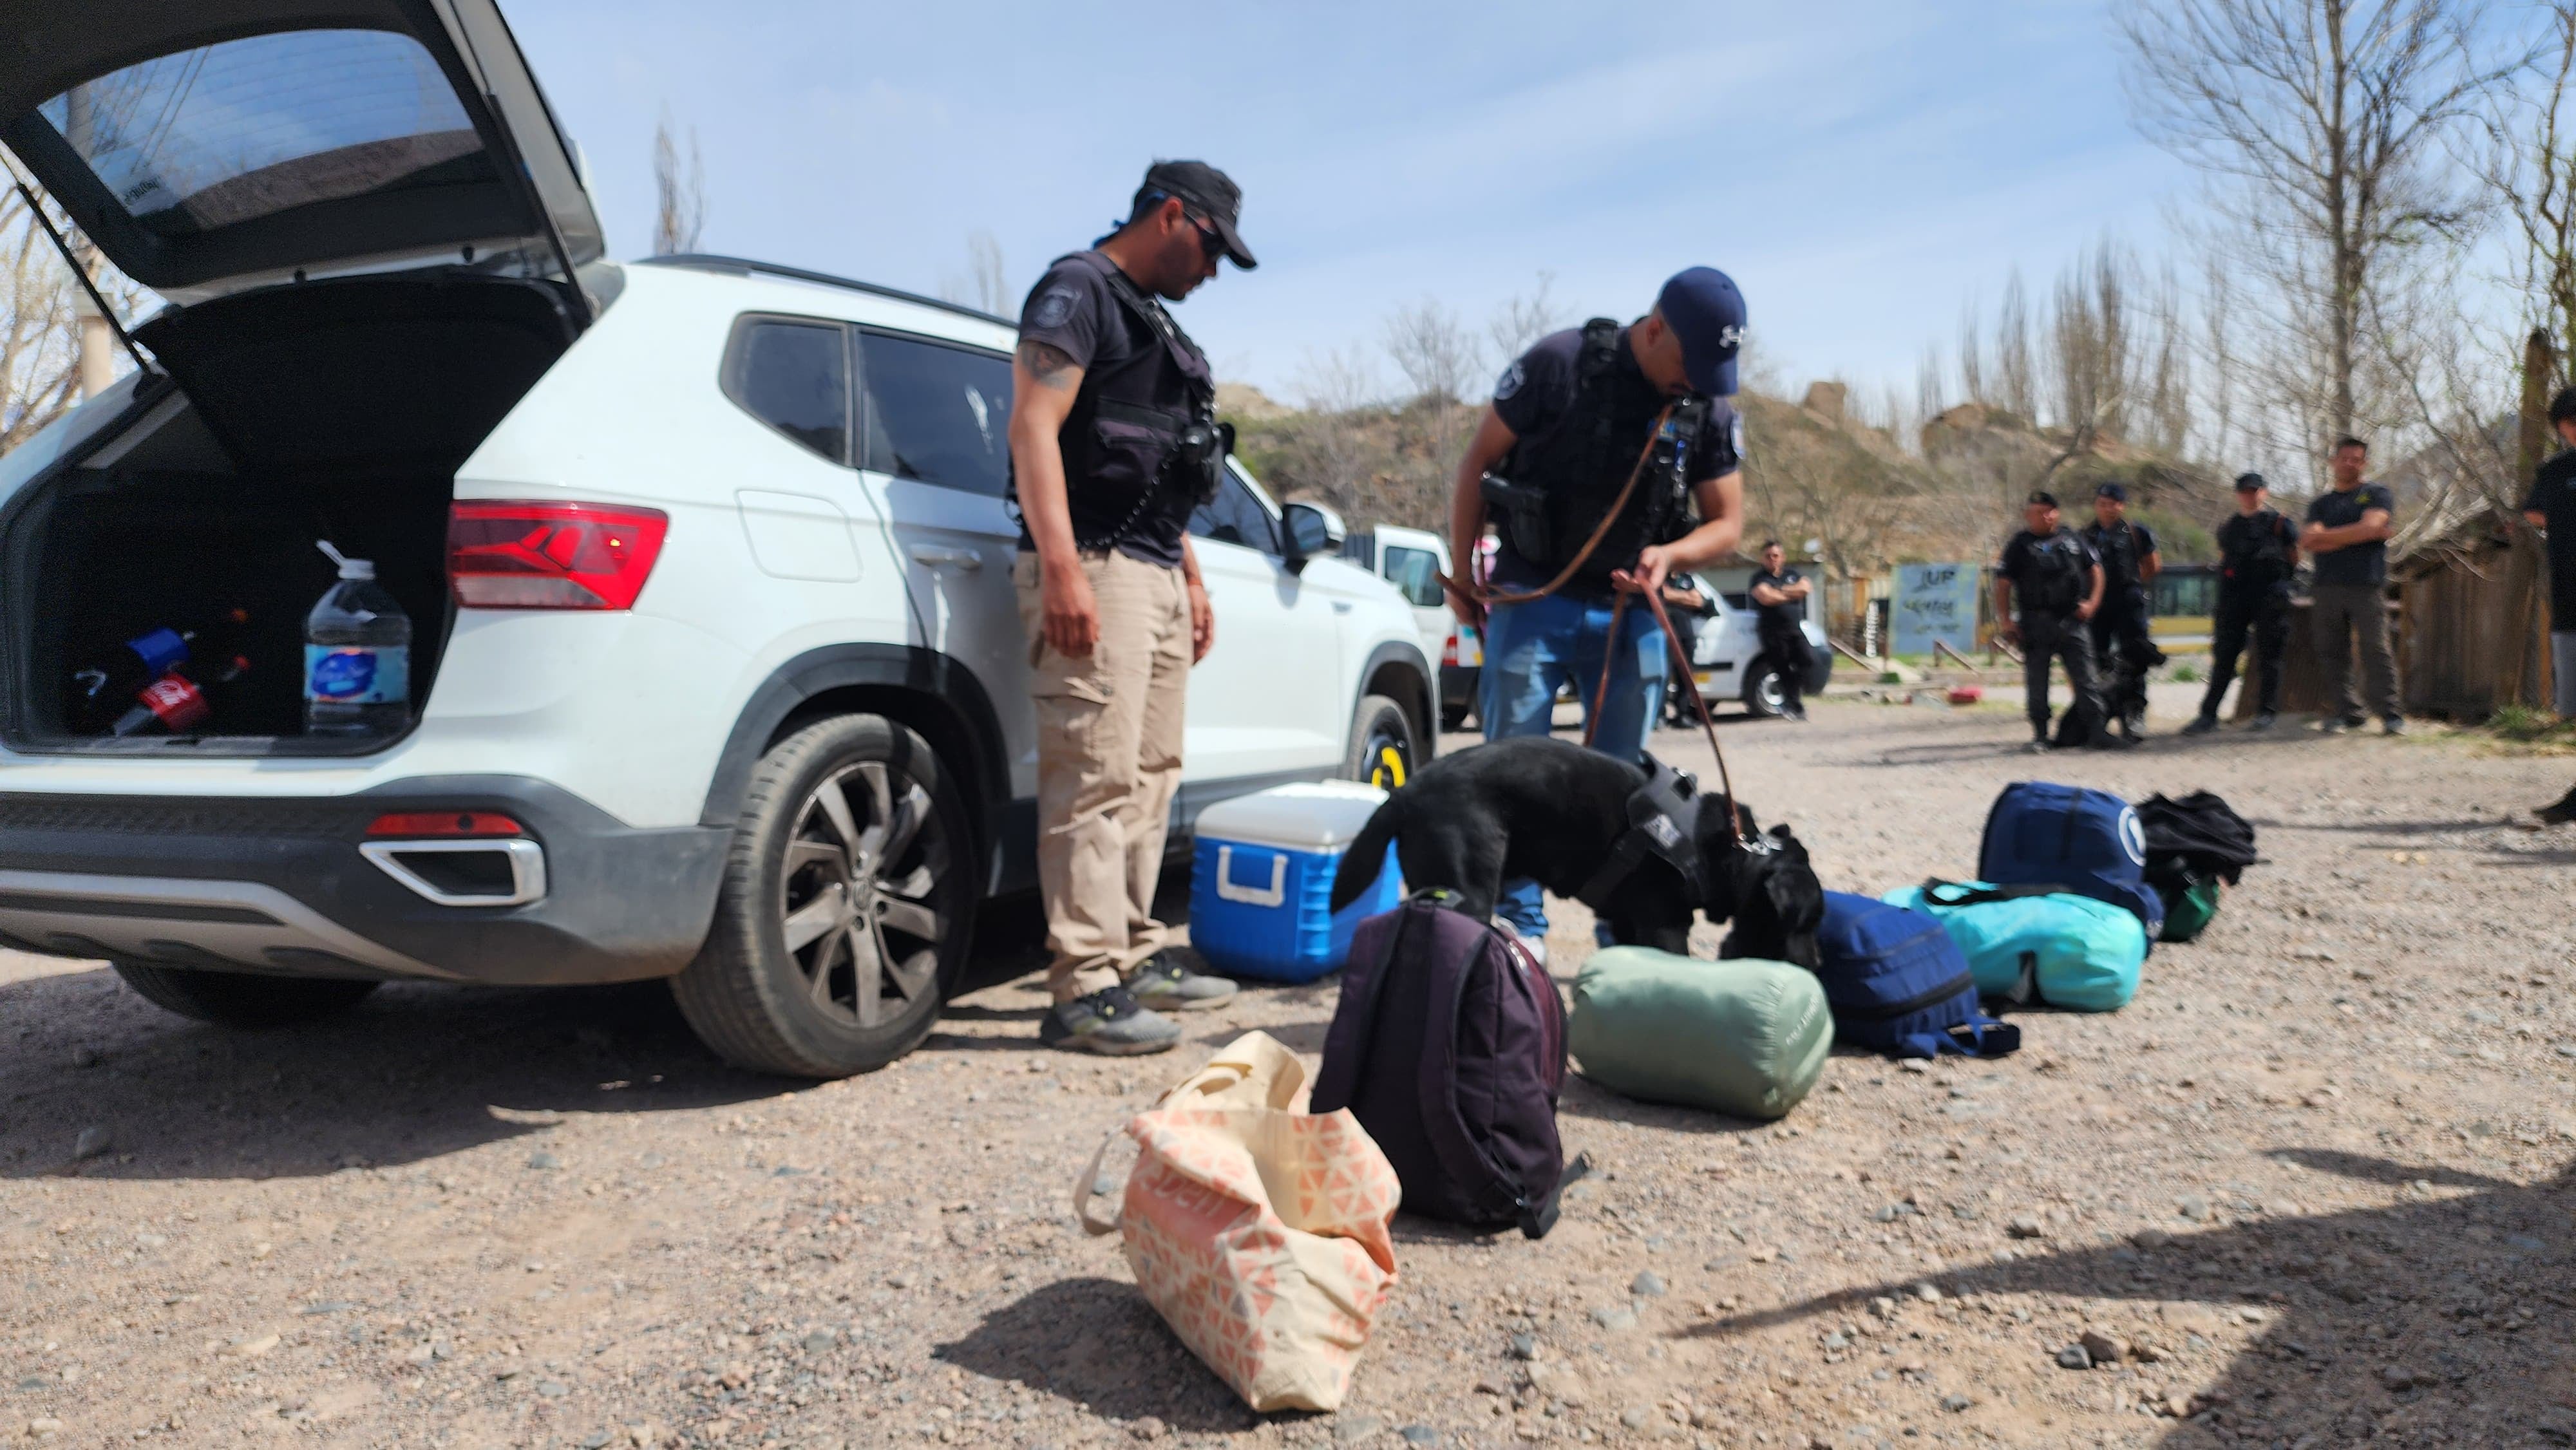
[679,191]
[39,350]
[1972,356]
[2523,151]
[984,261]
[2320,121]
[2016,375]
[1431,348]
[1523,319]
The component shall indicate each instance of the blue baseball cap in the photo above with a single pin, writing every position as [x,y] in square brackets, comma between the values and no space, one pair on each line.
[1706,313]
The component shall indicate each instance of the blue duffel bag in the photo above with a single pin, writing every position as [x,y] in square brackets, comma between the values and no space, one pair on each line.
[2086,842]
[2027,944]
[1897,983]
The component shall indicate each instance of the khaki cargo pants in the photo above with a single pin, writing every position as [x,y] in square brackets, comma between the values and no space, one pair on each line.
[1109,758]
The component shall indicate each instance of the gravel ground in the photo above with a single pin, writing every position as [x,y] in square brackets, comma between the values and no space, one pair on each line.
[2311,1189]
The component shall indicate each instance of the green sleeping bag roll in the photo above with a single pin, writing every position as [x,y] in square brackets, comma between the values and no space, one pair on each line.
[1744,1037]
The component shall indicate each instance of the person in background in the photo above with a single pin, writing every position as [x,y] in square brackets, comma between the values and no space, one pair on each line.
[1779,595]
[2551,508]
[2122,648]
[2051,573]
[1689,604]
[2258,550]
[1110,596]
[1572,421]
[2347,533]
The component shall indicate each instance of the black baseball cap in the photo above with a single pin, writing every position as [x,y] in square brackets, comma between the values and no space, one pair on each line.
[1207,191]
[2249,482]
[2041,495]
[2115,492]
[1706,313]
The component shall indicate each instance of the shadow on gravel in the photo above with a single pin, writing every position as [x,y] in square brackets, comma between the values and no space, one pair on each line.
[1096,1342]
[1585,1099]
[2444,1319]
[415,1071]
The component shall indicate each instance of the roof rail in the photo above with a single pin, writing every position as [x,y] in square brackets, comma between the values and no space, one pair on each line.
[744,266]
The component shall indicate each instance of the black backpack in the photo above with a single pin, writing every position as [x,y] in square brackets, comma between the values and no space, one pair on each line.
[1449,1046]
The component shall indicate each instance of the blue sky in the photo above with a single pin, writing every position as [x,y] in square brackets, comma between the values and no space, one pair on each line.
[1862,169]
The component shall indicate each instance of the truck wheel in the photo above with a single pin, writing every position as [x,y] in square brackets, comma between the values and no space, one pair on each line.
[1762,693]
[1383,751]
[241,999]
[848,898]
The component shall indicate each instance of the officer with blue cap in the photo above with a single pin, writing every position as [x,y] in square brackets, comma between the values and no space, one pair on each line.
[1609,460]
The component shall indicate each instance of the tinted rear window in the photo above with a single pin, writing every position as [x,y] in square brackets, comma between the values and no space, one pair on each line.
[226,133]
[795,377]
[938,413]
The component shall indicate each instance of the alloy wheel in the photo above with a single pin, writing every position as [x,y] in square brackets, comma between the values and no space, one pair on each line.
[863,861]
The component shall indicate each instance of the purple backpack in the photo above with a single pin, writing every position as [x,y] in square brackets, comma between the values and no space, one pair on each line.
[1449,1046]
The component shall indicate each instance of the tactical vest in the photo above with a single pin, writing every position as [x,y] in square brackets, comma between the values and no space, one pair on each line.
[1127,453]
[1558,484]
[2117,548]
[2255,557]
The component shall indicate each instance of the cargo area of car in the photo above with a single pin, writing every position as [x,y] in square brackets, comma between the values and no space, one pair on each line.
[336,409]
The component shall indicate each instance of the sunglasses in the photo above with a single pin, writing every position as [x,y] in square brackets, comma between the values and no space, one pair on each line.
[1209,241]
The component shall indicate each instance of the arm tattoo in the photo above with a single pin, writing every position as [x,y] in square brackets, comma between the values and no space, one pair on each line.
[1046,363]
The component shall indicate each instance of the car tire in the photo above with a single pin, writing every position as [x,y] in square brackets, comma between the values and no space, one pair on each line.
[1384,749]
[1762,693]
[241,999]
[833,945]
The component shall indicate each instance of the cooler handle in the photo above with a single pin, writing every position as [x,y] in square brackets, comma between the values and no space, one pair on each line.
[1251,895]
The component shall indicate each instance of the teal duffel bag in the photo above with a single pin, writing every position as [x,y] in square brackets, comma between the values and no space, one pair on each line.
[1744,1036]
[2065,950]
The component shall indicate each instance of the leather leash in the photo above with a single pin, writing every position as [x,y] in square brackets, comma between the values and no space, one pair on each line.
[1484,596]
[1690,686]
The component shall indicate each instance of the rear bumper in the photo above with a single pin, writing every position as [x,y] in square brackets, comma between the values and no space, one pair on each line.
[1458,686]
[279,885]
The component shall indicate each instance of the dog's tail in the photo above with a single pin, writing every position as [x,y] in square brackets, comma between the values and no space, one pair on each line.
[1367,854]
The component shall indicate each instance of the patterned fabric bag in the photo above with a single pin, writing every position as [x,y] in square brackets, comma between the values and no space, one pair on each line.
[1257,1229]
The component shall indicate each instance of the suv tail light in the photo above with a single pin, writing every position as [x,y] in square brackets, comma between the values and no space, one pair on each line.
[551,555]
[1449,648]
[444,823]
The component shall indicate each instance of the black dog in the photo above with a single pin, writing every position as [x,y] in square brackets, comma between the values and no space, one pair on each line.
[1551,811]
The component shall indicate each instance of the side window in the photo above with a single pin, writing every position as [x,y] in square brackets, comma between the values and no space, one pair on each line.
[937,413]
[1415,574]
[1234,516]
[795,377]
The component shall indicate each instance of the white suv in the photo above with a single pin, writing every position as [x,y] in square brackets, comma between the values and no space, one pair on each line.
[717,668]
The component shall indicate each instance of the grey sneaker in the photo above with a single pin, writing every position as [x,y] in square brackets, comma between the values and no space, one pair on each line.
[2037,747]
[1162,985]
[2331,725]
[1110,1023]
[2393,725]
[2201,726]
[2262,721]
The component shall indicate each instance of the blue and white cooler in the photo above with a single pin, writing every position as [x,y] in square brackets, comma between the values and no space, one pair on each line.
[1261,882]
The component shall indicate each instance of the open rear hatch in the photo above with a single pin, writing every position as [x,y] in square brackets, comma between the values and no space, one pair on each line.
[373,236]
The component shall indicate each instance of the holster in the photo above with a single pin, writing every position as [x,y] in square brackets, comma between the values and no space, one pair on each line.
[1520,512]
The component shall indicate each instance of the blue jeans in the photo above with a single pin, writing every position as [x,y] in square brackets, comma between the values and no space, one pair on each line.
[1532,649]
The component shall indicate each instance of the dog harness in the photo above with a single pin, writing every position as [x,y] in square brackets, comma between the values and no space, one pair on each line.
[1663,825]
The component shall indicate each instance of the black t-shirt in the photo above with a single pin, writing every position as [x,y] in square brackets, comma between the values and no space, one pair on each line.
[2553,496]
[1788,612]
[2052,562]
[2244,562]
[1539,386]
[2122,557]
[1072,308]
[2353,563]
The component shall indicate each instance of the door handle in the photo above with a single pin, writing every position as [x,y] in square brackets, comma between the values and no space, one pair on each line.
[1341,606]
[934,556]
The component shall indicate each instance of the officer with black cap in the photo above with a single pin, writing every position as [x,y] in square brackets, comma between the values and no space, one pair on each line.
[1601,445]
[1113,442]
[2258,551]
[2051,573]
[2123,650]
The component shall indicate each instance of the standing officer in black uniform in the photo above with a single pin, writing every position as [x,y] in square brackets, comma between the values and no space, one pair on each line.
[2051,572]
[1113,441]
[2258,551]
[2127,553]
[1779,594]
